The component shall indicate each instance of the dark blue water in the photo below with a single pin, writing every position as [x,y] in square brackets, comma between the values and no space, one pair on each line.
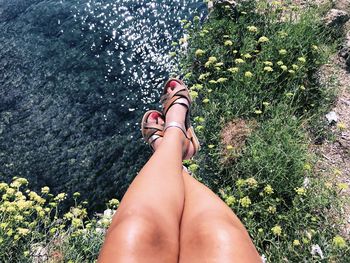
[75,79]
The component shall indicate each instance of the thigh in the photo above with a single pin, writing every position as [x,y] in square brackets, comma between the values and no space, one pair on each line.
[210,231]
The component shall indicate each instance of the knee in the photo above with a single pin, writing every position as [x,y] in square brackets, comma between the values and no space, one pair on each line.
[135,232]
[214,233]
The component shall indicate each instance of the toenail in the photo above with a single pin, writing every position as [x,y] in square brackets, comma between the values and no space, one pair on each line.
[154,115]
[173,84]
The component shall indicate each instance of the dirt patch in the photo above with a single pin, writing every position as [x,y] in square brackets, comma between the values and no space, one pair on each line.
[334,161]
[233,138]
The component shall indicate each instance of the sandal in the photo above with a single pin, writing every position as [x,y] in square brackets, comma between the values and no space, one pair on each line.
[152,131]
[180,95]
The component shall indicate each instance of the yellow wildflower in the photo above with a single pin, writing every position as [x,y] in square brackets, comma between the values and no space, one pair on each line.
[258,112]
[268,69]
[307,167]
[114,202]
[240,183]
[284,68]
[277,3]
[60,197]
[247,55]
[234,52]
[230,200]
[199,52]
[193,167]
[295,67]
[268,63]
[277,230]
[302,59]
[206,101]
[343,186]
[282,51]
[296,243]
[76,222]
[212,59]
[239,61]
[188,75]
[233,70]
[228,43]
[314,47]
[203,76]
[213,81]
[68,215]
[23,231]
[266,104]
[229,147]
[280,63]
[300,190]
[291,72]
[252,29]
[271,209]
[263,39]
[45,190]
[193,94]
[197,87]
[245,201]
[251,182]
[268,189]
[339,242]
[248,74]
[211,146]
[221,80]
[199,128]
[3,186]
[341,126]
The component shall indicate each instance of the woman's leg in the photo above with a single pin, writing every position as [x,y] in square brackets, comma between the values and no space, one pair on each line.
[145,227]
[210,231]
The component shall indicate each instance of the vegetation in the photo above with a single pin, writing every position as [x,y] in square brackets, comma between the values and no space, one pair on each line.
[256,68]
[259,67]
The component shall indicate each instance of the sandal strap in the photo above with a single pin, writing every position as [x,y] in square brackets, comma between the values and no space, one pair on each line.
[153,138]
[168,99]
[156,126]
[176,125]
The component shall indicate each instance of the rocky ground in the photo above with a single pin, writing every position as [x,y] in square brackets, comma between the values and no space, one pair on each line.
[334,153]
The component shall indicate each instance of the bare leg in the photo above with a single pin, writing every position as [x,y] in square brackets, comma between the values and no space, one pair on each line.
[146,225]
[210,231]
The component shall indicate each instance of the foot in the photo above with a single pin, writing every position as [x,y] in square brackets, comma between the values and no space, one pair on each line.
[155,118]
[177,113]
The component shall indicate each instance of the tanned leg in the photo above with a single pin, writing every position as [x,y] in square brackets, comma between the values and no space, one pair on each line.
[210,231]
[146,225]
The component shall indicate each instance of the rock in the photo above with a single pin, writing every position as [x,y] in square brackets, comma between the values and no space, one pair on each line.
[345,51]
[336,17]
[332,117]
[346,102]
[342,4]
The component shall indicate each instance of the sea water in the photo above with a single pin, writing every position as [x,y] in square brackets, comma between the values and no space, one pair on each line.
[75,79]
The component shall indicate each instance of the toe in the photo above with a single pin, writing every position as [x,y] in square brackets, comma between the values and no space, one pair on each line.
[155,117]
[172,85]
